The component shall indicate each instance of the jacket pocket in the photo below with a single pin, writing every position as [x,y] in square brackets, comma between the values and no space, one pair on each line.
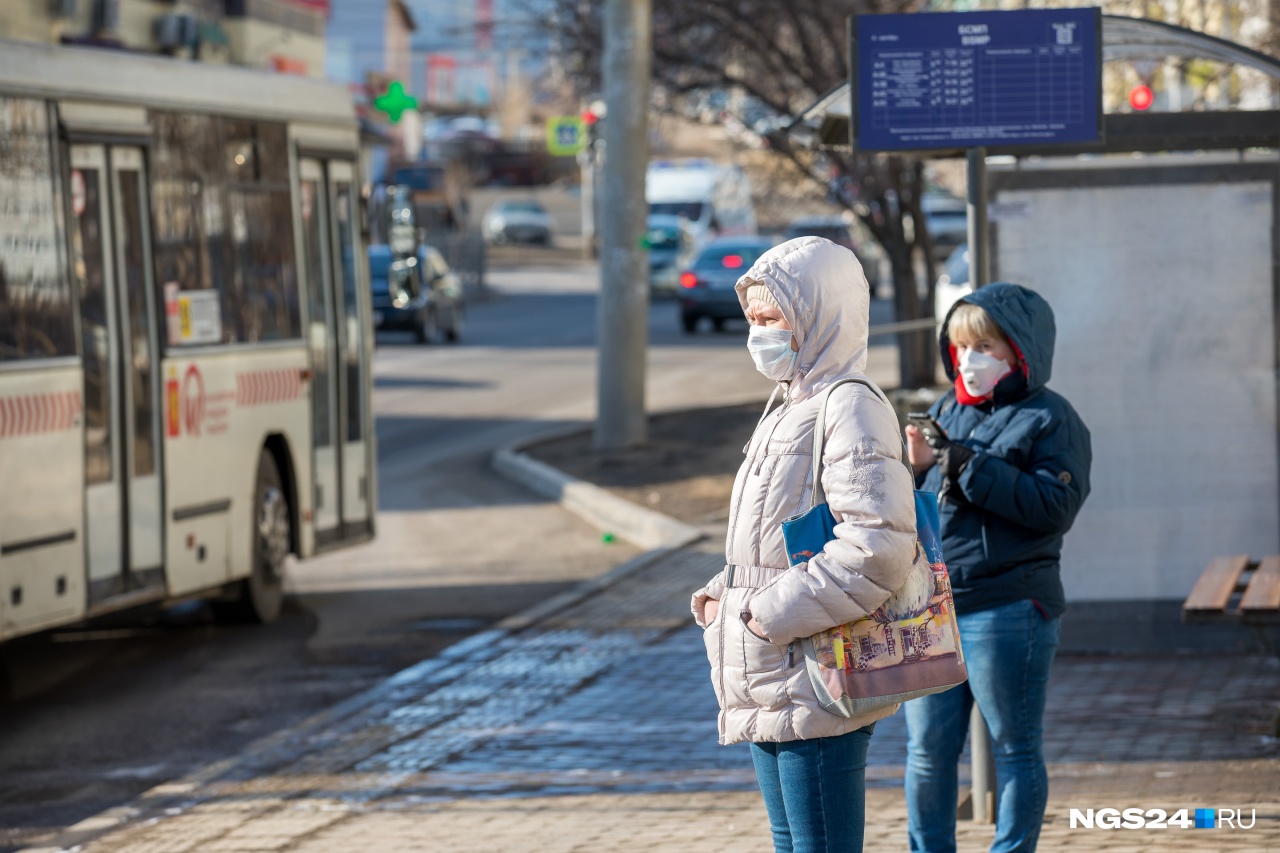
[764,666]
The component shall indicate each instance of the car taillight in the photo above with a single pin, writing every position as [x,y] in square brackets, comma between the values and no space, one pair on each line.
[688,280]
[732,262]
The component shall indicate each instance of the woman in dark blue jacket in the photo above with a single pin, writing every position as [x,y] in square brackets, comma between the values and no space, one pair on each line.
[1012,473]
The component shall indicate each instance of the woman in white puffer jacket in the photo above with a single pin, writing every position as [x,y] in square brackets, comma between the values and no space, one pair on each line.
[807,301]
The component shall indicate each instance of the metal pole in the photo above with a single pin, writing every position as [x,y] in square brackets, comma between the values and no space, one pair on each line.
[979,233]
[982,769]
[587,173]
[982,761]
[623,319]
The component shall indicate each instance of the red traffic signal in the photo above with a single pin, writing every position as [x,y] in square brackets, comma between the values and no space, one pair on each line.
[589,118]
[1140,97]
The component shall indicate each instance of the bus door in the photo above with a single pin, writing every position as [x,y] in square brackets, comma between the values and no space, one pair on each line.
[112,254]
[338,341]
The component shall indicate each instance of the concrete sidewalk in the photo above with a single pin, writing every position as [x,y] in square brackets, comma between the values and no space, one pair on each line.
[593,729]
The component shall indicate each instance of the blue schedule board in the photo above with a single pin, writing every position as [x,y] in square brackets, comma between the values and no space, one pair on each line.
[942,81]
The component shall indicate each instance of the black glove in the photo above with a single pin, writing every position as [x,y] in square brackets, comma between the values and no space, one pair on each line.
[952,459]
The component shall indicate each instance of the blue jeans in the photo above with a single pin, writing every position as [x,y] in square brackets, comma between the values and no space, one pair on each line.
[1008,651]
[815,791]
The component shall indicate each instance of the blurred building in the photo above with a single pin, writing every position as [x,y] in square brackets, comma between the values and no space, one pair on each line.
[287,36]
[369,42]
[369,51]
[454,58]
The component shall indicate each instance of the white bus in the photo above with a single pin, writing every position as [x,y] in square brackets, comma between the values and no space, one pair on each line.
[184,333]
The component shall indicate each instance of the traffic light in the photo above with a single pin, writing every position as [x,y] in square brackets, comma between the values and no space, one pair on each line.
[1140,97]
[591,123]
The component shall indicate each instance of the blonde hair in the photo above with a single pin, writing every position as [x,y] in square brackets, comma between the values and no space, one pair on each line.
[971,323]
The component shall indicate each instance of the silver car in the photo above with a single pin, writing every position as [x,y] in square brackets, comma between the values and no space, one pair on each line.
[518,220]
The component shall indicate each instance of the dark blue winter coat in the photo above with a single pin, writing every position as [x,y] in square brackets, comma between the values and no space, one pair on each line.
[1020,492]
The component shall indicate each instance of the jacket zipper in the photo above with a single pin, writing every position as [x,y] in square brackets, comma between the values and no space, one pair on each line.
[734,510]
[724,697]
[757,467]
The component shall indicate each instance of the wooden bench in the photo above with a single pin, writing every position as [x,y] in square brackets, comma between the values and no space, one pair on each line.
[1240,590]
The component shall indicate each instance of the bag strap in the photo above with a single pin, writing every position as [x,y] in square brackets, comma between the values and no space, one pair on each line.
[820,428]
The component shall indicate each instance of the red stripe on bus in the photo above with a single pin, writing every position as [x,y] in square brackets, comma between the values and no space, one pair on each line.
[259,387]
[38,414]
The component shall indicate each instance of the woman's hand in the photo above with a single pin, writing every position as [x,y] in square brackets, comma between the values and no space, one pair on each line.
[709,611]
[754,627]
[918,451]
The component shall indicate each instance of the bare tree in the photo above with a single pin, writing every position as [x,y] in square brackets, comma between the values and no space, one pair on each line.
[785,54]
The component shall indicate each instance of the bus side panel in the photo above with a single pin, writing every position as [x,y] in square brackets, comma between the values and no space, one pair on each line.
[42,537]
[220,408]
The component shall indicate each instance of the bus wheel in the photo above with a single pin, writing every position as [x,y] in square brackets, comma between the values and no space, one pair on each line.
[259,597]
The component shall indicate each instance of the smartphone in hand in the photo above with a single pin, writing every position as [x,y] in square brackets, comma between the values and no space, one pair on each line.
[934,435]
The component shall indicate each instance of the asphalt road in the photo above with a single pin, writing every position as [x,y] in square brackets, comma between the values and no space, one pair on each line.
[100,713]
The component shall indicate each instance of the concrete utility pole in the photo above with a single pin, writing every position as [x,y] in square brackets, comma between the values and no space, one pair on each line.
[623,319]
[587,173]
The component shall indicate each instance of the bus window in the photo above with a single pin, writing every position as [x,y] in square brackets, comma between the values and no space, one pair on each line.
[223,221]
[344,217]
[36,320]
[140,356]
[188,200]
[264,307]
[88,245]
[319,311]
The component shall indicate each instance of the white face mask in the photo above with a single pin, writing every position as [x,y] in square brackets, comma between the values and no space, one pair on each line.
[981,372]
[771,351]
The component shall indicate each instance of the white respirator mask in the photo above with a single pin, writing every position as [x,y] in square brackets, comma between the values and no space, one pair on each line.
[981,372]
[771,351]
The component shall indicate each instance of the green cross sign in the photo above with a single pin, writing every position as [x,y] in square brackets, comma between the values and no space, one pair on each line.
[566,135]
[395,101]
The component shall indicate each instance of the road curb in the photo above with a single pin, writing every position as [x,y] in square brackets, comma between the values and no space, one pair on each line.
[639,525]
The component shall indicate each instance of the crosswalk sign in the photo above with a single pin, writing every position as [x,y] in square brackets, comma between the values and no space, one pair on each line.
[566,135]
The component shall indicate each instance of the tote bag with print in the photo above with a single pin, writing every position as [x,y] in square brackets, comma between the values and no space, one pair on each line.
[910,646]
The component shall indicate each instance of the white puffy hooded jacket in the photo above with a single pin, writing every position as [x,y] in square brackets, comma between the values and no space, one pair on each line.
[762,686]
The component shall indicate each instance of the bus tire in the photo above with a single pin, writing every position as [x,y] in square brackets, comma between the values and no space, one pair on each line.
[260,596]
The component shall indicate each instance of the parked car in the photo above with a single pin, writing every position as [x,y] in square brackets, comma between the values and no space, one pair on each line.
[953,283]
[671,246]
[416,293]
[707,286]
[947,219]
[518,220]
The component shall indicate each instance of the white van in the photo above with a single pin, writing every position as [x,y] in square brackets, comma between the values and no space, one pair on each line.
[704,199]
[714,198]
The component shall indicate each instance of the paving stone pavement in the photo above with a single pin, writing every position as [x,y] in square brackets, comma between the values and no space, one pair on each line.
[594,730]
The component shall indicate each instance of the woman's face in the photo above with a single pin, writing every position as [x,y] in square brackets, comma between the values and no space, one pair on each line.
[995,348]
[770,316]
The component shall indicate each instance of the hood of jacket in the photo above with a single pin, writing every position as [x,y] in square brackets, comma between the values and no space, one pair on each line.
[824,297]
[1025,318]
